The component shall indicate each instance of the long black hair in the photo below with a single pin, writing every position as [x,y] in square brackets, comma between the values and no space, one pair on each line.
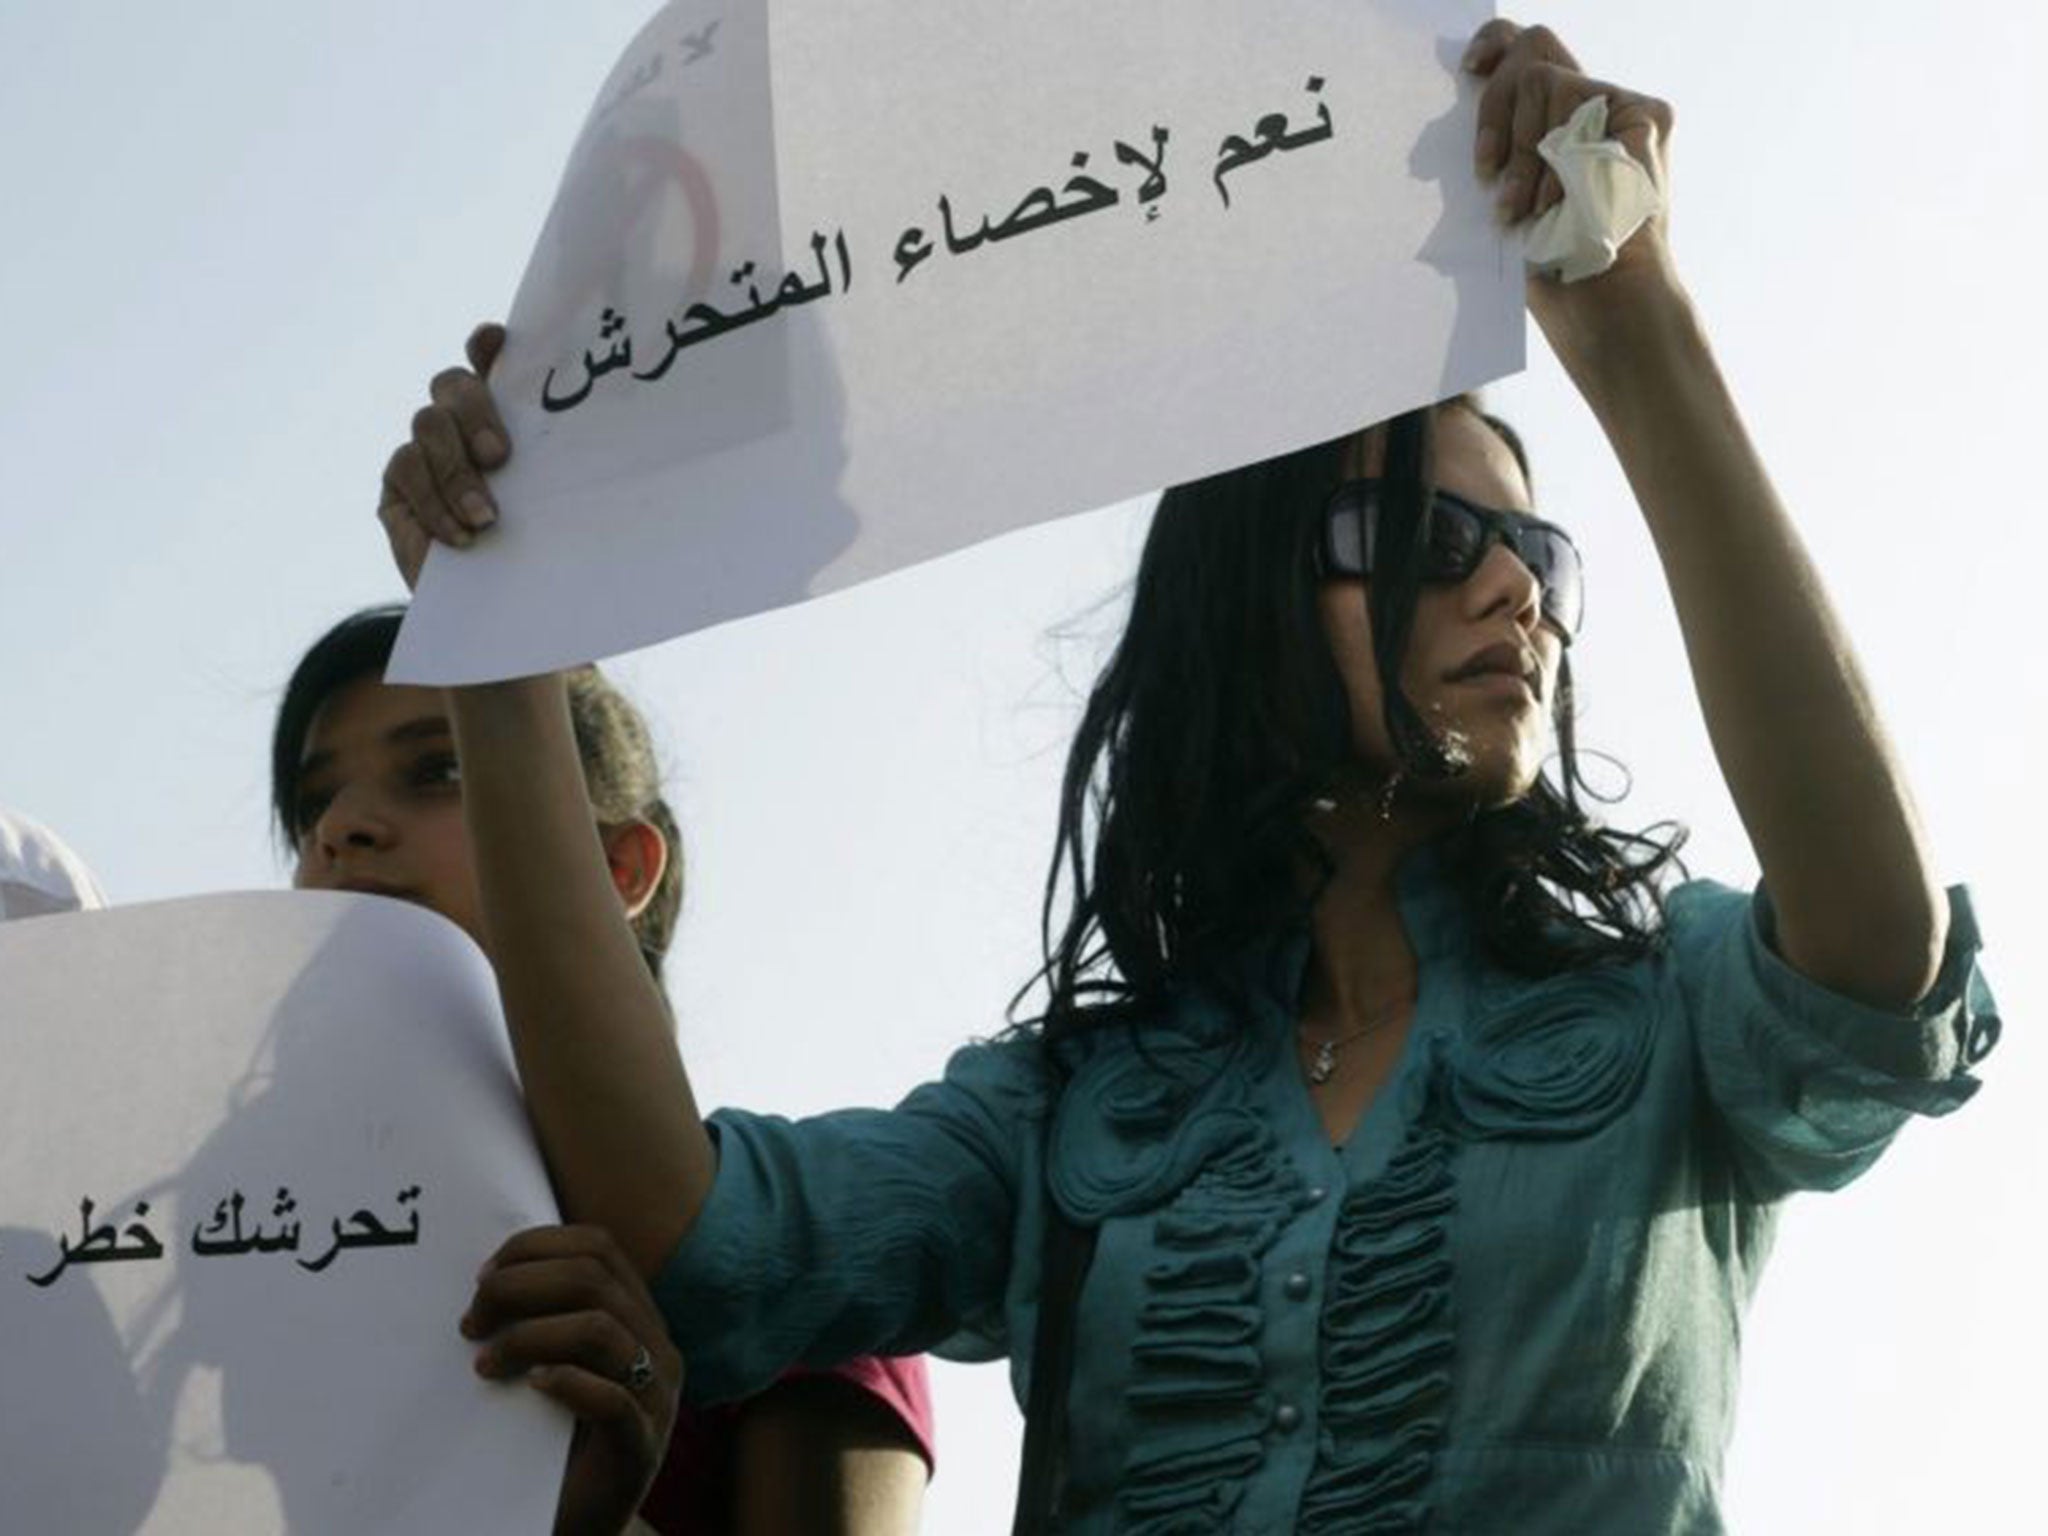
[620,768]
[1220,719]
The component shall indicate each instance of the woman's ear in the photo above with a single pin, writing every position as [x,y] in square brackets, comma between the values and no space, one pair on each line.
[636,853]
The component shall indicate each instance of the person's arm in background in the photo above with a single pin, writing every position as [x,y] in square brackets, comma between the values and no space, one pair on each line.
[819,1454]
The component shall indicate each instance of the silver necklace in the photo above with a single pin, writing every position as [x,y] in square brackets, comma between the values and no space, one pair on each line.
[1324,1064]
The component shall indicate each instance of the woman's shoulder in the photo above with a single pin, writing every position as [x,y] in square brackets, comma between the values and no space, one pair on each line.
[1703,908]
[1005,1079]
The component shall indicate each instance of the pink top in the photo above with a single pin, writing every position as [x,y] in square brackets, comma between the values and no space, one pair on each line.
[693,1492]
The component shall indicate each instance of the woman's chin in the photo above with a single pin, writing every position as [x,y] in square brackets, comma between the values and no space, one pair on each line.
[1484,781]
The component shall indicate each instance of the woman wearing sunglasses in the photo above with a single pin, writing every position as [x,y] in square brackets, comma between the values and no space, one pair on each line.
[1396,1146]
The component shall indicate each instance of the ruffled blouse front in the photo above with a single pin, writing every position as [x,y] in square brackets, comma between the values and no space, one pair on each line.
[1510,1302]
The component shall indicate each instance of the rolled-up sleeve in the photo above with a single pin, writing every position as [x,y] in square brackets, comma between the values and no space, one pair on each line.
[861,1232]
[1808,1086]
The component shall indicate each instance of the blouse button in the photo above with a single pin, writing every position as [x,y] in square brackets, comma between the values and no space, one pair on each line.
[1286,1418]
[1316,1193]
[1298,1286]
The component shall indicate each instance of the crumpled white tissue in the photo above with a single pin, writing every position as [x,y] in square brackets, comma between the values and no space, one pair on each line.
[1607,198]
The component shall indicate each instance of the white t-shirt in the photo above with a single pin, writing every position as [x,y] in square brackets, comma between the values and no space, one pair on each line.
[38,874]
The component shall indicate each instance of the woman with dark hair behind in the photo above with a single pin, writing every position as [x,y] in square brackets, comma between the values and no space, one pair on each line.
[366,789]
[1392,1149]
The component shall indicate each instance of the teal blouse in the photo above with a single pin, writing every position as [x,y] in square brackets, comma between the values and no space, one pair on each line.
[1510,1303]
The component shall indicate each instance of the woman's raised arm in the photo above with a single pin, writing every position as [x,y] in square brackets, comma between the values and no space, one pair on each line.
[1793,727]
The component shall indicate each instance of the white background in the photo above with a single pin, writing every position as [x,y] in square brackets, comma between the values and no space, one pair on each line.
[240,237]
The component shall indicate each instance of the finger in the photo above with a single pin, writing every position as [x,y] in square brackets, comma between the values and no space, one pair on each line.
[537,1287]
[483,347]
[1502,53]
[1549,193]
[586,1246]
[407,479]
[596,1340]
[1496,124]
[600,1401]
[408,540]
[439,436]
[1531,122]
[566,1309]
[476,415]
[1642,125]
[564,1240]
[1540,45]
[1489,45]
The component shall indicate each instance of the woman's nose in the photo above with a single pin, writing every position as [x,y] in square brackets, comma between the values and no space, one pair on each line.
[1504,584]
[354,819]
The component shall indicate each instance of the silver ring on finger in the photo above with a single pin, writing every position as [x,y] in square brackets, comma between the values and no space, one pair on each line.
[640,1374]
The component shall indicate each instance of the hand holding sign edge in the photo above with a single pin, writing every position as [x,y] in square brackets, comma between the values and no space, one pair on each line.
[434,485]
[563,1307]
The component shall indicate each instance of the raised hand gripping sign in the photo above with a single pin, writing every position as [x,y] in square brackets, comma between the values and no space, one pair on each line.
[834,286]
[253,1150]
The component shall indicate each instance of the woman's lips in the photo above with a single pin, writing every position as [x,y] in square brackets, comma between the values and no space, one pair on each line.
[1500,684]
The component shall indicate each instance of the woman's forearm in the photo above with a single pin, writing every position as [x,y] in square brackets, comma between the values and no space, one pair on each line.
[591,1034]
[1793,726]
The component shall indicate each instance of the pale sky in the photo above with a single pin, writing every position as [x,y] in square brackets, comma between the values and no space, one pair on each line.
[241,236]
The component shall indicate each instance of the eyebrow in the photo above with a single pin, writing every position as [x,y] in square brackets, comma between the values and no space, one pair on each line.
[424,728]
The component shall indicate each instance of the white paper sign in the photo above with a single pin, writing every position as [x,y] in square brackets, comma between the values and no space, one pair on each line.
[832,286]
[253,1150]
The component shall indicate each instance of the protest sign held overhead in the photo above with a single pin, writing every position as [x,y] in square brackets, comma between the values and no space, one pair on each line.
[253,1150]
[832,288]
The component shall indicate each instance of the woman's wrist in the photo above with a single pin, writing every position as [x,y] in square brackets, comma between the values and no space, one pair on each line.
[512,695]
[519,716]
[1636,349]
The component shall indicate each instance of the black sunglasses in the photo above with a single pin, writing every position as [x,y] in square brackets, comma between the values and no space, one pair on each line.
[1460,533]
